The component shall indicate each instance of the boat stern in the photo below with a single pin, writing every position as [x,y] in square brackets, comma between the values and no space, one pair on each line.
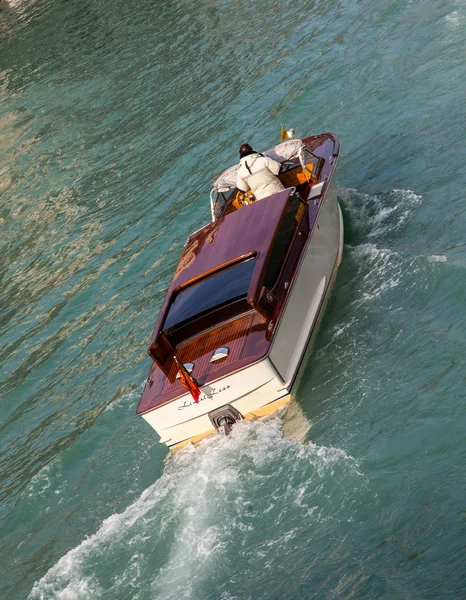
[251,392]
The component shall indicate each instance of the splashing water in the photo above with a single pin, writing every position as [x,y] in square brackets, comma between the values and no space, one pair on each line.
[240,496]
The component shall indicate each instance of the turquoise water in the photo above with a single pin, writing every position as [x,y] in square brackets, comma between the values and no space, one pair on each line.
[114,119]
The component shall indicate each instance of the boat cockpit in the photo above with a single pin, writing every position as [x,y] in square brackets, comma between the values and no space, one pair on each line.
[298,166]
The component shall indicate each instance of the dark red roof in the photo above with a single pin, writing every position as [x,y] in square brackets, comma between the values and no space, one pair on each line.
[238,234]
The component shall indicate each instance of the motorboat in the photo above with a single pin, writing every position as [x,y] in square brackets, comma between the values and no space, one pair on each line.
[245,298]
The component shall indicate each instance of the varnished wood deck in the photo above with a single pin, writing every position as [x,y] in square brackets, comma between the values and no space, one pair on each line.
[246,339]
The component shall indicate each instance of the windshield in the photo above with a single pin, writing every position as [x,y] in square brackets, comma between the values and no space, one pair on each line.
[219,291]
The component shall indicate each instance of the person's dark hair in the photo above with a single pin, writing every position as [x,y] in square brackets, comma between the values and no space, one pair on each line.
[246,150]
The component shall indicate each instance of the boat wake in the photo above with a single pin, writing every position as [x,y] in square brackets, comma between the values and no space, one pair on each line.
[255,498]
[379,256]
[383,284]
[250,497]
[376,217]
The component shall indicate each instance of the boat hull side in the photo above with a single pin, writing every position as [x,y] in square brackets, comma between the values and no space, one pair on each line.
[310,289]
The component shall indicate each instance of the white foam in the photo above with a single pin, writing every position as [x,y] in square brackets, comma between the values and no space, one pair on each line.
[371,251]
[437,258]
[453,19]
[376,215]
[338,330]
[126,399]
[384,213]
[43,480]
[205,493]
[408,197]
[65,580]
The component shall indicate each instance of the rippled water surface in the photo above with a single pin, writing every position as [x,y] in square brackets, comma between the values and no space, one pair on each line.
[114,119]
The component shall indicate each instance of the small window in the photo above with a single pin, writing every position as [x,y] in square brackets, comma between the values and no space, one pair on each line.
[286,231]
[209,295]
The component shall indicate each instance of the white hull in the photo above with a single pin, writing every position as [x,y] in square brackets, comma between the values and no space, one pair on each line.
[309,290]
[247,390]
[262,387]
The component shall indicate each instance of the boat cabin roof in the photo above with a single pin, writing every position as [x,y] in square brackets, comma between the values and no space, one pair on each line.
[230,240]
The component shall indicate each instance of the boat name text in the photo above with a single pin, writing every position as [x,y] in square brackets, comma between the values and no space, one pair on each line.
[210,395]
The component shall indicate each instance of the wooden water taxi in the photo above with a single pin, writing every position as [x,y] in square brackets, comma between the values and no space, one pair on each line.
[245,298]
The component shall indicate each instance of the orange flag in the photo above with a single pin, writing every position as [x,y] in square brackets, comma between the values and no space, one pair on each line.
[188,381]
[284,134]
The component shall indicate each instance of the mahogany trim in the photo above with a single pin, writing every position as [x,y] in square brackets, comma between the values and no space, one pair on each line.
[216,270]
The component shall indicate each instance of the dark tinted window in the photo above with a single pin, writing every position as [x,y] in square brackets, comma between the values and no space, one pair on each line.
[211,293]
[282,242]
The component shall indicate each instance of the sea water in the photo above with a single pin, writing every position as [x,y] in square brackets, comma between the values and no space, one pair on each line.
[114,119]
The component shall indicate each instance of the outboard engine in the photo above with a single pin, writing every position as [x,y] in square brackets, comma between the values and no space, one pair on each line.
[224,418]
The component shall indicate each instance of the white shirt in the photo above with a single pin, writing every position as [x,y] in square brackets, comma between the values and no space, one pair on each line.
[259,174]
